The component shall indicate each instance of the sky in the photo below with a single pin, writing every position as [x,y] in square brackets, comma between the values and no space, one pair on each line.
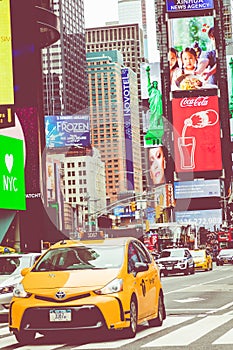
[98,12]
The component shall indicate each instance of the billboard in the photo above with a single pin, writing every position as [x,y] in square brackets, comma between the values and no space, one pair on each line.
[6,64]
[192,53]
[12,184]
[157,157]
[184,5]
[196,128]
[210,219]
[67,131]
[198,188]
[127,128]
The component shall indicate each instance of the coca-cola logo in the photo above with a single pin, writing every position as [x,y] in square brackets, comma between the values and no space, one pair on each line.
[194,101]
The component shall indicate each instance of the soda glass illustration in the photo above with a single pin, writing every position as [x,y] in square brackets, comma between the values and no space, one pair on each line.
[187,144]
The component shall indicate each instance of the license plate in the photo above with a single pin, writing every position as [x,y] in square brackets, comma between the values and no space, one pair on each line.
[169,268]
[60,315]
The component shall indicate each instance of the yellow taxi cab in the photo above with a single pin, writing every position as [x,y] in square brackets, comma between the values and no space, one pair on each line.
[202,259]
[4,249]
[111,284]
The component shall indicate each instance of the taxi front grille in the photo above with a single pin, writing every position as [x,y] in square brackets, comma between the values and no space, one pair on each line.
[86,316]
[55,300]
[170,263]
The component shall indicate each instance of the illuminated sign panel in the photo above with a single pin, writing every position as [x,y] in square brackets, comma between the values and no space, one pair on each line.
[6,67]
[12,186]
[196,130]
[192,55]
[65,131]
[206,218]
[189,5]
[197,189]
[127,128]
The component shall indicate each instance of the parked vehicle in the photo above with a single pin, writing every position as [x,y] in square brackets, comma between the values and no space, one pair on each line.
[176,260]
[10,275]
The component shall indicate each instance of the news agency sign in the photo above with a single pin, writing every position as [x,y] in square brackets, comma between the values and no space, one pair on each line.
[12,182]
[67,130]
[189,5]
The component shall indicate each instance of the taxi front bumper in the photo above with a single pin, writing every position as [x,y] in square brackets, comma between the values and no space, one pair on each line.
[95,312]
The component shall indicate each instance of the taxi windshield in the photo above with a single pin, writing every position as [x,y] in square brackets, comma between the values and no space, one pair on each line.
[226,252]
[80,258]
[172,253]
[198,253]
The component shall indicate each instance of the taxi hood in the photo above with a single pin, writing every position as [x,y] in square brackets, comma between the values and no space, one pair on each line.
[85,279]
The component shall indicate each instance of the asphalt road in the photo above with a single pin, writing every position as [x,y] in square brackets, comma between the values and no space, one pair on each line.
[199,317]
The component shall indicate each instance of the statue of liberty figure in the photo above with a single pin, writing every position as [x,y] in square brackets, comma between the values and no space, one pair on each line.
[156,129]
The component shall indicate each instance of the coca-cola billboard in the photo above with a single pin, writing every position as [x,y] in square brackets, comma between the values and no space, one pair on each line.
[196,127]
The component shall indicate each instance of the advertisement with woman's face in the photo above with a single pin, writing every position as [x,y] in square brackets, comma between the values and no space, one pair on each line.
[157,165]
[192,53]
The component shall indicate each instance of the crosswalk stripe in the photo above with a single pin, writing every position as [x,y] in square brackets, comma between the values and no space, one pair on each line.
[4,330]
[169,322]
[225,339]
[190,333]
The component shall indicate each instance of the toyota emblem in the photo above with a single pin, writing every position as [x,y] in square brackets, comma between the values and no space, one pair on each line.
[60,294]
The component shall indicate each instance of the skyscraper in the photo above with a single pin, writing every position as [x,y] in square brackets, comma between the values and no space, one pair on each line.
[128,39]
[65,90]
[131,12]
[108,122]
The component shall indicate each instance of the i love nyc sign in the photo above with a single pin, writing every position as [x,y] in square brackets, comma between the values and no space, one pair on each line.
[12,182]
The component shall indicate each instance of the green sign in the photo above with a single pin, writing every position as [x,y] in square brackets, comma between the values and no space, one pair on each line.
[12,184]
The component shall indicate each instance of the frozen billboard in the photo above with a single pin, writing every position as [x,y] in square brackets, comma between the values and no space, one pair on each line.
[67,131]
[196,127]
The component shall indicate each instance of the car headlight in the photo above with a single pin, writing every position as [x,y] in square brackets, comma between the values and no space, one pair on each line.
[114,286]
[19,292]
[7,289]
[181,261]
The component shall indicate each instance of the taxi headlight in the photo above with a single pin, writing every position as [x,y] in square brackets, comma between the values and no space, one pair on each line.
[19,292]
[114,286]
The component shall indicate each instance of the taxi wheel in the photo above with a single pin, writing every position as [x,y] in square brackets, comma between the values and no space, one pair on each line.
[131,331]
[158,321]
[25,337]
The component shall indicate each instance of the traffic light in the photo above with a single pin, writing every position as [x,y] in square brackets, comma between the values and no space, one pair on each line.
[133,206]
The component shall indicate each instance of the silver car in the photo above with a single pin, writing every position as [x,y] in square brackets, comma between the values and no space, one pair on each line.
[10,268]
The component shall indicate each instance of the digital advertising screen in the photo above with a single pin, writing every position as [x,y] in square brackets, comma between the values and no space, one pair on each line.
[187,5]
[198,188]
[6,65]
[12,185]
[196,129]
[192,53]
[67,131]
[206,218]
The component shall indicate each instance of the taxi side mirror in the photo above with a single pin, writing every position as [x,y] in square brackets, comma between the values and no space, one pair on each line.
[25,271]
[140,267]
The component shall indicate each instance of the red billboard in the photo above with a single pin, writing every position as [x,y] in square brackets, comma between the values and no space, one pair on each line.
[196,127]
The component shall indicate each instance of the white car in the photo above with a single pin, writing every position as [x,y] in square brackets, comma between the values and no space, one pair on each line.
[10,275]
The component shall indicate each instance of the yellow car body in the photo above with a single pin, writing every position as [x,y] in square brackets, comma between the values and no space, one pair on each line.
[202,260]
[7,250]
[116,286]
